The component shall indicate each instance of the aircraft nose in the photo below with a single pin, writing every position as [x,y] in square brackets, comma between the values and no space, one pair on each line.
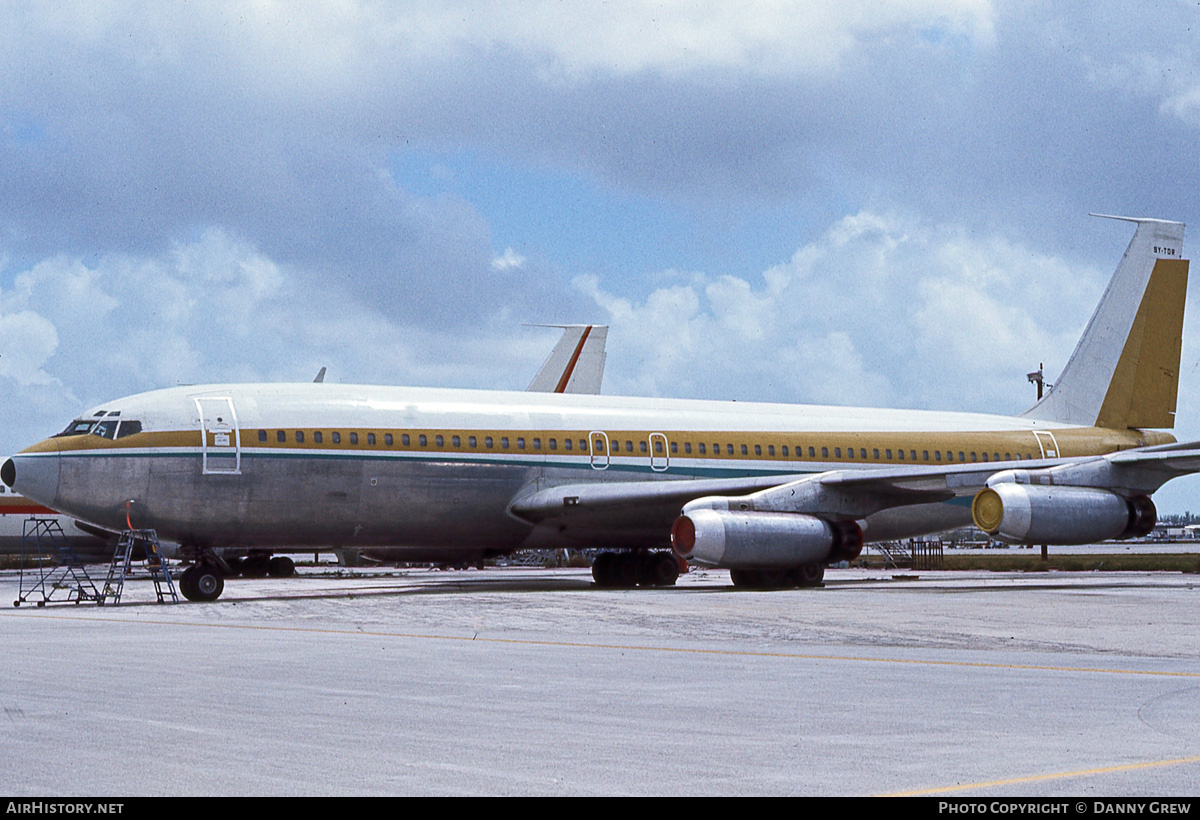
[34,476]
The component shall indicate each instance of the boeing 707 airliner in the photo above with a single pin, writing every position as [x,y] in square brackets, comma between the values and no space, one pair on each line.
[773,492]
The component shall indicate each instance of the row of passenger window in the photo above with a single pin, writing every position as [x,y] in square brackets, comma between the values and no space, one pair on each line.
[643,447]
[876,454]
[422,440]
[900,454]
[318,437]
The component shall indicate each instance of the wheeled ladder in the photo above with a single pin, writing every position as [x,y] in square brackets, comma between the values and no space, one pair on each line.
[122,562]
[58,572]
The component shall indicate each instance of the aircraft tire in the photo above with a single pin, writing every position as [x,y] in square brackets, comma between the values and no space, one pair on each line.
[773,579]
[604,571]
[186,581]
[256,565]
[281,567]
[206,583]
[627,566]
[744,578]
[808,575]
[659,569]
[616,570]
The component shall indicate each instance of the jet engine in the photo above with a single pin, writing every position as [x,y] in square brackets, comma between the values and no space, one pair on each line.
[1033,514]
[761,540]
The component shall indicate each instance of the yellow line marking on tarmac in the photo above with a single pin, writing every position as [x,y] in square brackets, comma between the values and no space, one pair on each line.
[623,647]
[988,784]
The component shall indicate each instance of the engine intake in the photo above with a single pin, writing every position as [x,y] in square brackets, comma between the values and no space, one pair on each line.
[1032,514]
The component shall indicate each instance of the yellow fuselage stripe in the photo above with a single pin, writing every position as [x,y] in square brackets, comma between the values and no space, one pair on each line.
[840,447]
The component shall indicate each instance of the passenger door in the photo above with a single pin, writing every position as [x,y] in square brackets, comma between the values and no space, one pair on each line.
[1047,444]
[220,439]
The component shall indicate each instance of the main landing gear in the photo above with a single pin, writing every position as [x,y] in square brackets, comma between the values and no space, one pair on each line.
[806,575]
[204,580]
[262,564]
[629,569]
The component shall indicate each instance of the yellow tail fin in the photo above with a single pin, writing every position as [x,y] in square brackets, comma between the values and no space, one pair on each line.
[1144,386]
[1125,370]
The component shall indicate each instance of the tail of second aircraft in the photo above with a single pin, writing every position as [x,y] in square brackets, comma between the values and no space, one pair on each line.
[1125,370]
[576,364]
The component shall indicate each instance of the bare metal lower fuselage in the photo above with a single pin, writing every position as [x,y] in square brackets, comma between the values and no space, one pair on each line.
[424,510]
[276,502]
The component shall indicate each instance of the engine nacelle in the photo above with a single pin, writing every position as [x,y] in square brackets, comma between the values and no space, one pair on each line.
[1035,514]
[762,540]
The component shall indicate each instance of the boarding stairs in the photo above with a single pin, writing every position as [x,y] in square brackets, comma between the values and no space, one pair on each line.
[894,553]
[122,563]
[58,573]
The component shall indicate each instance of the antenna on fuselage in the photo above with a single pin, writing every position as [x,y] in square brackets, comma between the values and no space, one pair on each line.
[320,376]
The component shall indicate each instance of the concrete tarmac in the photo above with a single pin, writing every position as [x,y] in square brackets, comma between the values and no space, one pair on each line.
[520,681]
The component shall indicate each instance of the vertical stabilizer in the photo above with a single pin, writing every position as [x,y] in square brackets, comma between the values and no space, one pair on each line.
[576,364]
[1125,370]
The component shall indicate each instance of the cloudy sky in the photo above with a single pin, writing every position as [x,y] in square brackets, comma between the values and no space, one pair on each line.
[879,204]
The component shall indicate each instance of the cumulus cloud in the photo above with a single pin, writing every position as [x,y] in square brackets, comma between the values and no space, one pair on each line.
[508,260]
[638,35]
[27,341]
[338,46]
[216,309]
[1184,105]
[879,310]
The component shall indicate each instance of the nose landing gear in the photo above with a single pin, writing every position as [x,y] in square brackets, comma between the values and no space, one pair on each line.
[203,581]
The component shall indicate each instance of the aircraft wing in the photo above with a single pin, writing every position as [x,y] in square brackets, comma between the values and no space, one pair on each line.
[640,513]
[1175,459]
[583,500]
[845,494]
[1142,470]
[856,493]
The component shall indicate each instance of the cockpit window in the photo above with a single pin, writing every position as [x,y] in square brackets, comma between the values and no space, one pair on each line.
[103,427]
[106,429]
[129,427]
[78,427]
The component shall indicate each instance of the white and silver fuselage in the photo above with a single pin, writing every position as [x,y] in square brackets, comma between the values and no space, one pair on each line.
[437,471]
